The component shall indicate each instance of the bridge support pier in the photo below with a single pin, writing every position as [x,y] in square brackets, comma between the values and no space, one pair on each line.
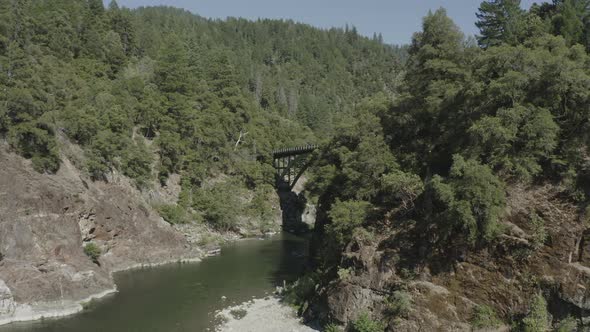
[290,164]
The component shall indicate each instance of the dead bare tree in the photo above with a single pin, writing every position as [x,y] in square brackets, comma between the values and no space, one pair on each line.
[240,139]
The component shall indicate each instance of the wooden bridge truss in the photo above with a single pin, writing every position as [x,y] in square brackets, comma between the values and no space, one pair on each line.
[290,164]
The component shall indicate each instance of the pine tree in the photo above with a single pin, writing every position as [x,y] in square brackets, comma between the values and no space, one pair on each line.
[569,21]
[499,22]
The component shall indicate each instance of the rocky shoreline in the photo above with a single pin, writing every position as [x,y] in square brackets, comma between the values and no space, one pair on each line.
[22,312]
[261,315]
[49,219]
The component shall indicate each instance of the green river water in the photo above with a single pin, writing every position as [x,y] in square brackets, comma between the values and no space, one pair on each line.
[184,297]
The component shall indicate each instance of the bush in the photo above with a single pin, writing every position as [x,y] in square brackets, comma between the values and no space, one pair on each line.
[400,187]
[484,317]
[365,324]
[93,251]
[569,324]
[137,163]
[399,303]
[539,233]
[173,214]
[332,328]
[345,217]
[302,290]
[538,318]
[219,205]
[260,207]
[36,141]
[344,274]
[468,203]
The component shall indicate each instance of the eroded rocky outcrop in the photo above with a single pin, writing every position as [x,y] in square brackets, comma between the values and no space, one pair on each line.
[45,220]
[504,275]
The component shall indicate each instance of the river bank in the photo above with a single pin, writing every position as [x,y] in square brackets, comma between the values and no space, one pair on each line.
[23,312]
[186,297]
[261,315]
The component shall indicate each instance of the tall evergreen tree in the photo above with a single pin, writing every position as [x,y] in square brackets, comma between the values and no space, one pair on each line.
[499,21]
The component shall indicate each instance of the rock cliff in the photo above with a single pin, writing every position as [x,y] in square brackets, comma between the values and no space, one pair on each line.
[444,291]
[45,222]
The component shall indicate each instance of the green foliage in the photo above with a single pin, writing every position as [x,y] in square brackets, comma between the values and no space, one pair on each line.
[346,216]
[218,205]
[109,74]
[174,214]
[399,303]
[499,21]
[539,233]
[136,163]
[569,324]
[468,204]
[35,141]
[364,323]
[260,207]
[344,274]
[302,290]
[484,317]
[537,319]
[93,251]
[516,138]
[401,187]
[332,328]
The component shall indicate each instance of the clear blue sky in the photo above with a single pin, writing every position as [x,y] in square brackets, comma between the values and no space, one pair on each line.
[396,20]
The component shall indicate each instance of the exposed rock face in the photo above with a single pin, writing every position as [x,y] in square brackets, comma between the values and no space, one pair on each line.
[44,221]
[7,305]
[298,215]
[444,291]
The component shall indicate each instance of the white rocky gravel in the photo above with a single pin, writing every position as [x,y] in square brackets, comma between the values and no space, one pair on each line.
[261,315]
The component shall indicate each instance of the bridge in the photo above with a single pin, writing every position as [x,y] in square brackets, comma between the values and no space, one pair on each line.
[290,163]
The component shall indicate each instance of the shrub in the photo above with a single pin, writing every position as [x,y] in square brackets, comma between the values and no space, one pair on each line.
[332,328]
[302,290]
[345,217]
[468,203]
[401,187]
[399,303]
[93,251]
[484,317]
[173,214]
[137,163]
[344,274]
[539,233]
[538,318]
[220,205]
[365,324]
[567,325]
[36,141]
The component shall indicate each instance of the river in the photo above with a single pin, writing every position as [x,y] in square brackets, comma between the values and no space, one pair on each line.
[184,297]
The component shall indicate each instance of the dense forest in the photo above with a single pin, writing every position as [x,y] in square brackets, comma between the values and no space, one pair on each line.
[159,91]
[472,119]
[427,141]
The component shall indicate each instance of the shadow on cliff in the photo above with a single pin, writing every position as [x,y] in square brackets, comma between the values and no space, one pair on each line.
[293,207]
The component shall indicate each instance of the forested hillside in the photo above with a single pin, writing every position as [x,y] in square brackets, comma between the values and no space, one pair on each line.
[475,180]
[156,91]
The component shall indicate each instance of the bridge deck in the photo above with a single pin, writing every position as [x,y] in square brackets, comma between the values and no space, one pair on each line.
[294,151]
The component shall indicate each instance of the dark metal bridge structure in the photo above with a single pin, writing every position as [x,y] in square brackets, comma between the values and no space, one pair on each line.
[290,163]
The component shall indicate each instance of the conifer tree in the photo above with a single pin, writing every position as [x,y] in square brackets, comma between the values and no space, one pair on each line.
[499,21]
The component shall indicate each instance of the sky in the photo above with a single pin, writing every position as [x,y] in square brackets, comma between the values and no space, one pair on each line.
[396,20]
